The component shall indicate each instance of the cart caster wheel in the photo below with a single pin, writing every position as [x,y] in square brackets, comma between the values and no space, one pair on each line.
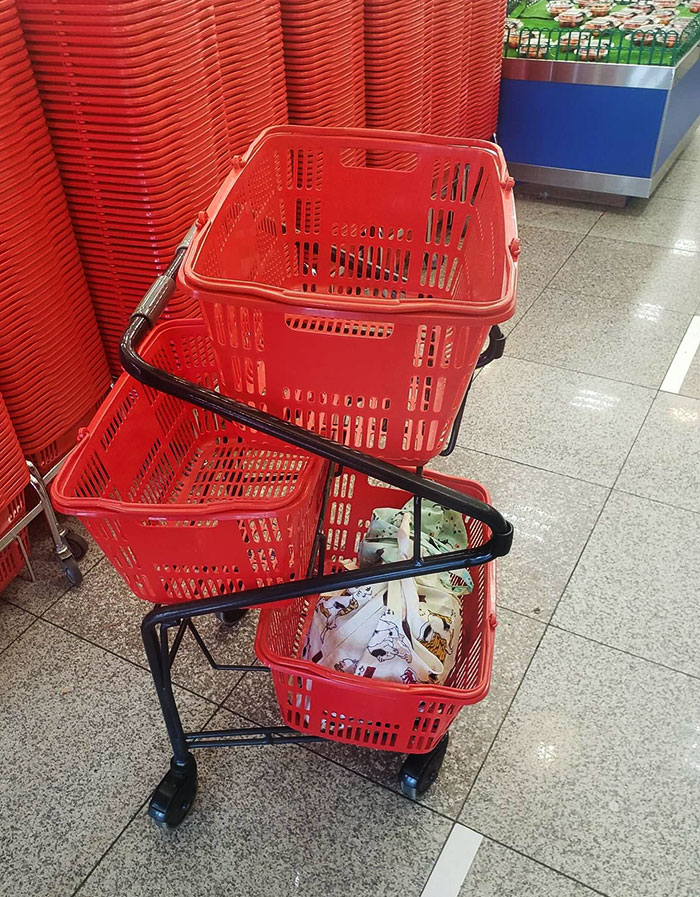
[419,771]
[231,617]
[172,799]
[76,543]
[73,572]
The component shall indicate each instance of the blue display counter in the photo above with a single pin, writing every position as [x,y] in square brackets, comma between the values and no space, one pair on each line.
[594,126]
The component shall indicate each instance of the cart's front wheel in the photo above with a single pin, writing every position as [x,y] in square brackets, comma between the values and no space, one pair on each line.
[172,799]
[419,771]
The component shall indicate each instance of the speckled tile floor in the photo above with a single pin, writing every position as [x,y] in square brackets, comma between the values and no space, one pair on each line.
[579,775]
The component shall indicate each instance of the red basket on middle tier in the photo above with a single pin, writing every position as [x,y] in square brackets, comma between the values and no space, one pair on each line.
[355,300]
[184,504]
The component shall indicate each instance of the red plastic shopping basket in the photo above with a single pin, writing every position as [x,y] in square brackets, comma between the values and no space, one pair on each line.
[355,300]
[184,504]
[374,713]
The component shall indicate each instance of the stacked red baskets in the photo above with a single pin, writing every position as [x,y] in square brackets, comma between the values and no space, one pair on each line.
[396,59]
[134,99]
[485,52]
[324,60]
[249,40]
[433,66]
[14,477]
[52,365]
[449,79]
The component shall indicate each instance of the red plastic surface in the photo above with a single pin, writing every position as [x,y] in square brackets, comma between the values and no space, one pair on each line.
[373,713]
[324,61]
[434,66]
[11,558]
[147,104]
[183,504]
[14,474]
[355,300]
[52,365]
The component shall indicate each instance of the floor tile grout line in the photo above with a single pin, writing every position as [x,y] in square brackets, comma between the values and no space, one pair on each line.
[556,367]
[68,588]
[532,657]
[520,613]
[561,367]
[545,287]
[535,860]
[143,667]
[616,648]
[500,725]
[555,473]
[133,817]
[20,634]
[657,501]
[109,847]
[580,555]
[636,438]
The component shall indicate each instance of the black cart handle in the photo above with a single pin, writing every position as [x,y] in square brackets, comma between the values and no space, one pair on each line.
[145,317]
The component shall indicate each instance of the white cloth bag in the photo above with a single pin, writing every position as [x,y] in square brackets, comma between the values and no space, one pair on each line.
[405,631]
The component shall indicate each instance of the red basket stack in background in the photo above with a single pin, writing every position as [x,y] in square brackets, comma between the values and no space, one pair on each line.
[135,96]
[433,66]
[251,57]
[52,365]
[396,69]
[324,60]
[485,58]
[14,477]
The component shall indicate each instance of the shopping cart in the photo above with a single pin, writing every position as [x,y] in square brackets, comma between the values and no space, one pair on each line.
[171,479]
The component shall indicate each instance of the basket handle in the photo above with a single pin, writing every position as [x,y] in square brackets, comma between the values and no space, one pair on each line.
[144,318]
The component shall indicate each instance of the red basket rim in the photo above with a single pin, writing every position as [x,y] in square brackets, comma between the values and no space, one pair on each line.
[446,693]
[495,311]
[68,503]
[449,694]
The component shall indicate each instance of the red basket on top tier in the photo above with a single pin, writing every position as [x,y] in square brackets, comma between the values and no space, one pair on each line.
[184,504]
[371,712]
[355,300]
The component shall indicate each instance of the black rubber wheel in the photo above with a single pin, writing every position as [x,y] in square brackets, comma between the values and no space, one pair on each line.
[72,571]
[231,617]
[419,771]
[76,543]
[174,796]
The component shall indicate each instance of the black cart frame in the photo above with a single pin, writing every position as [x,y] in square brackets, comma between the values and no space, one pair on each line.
[175,794]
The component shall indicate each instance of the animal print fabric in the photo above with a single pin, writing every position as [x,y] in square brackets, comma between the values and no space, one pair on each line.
[441,531]
[405,631]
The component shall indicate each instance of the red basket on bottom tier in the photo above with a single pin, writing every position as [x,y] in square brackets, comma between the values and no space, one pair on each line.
[367,712]
[184,504]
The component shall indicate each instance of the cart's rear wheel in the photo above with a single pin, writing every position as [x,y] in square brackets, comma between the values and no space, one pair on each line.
[231,617]
[419,771]
[174,796]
